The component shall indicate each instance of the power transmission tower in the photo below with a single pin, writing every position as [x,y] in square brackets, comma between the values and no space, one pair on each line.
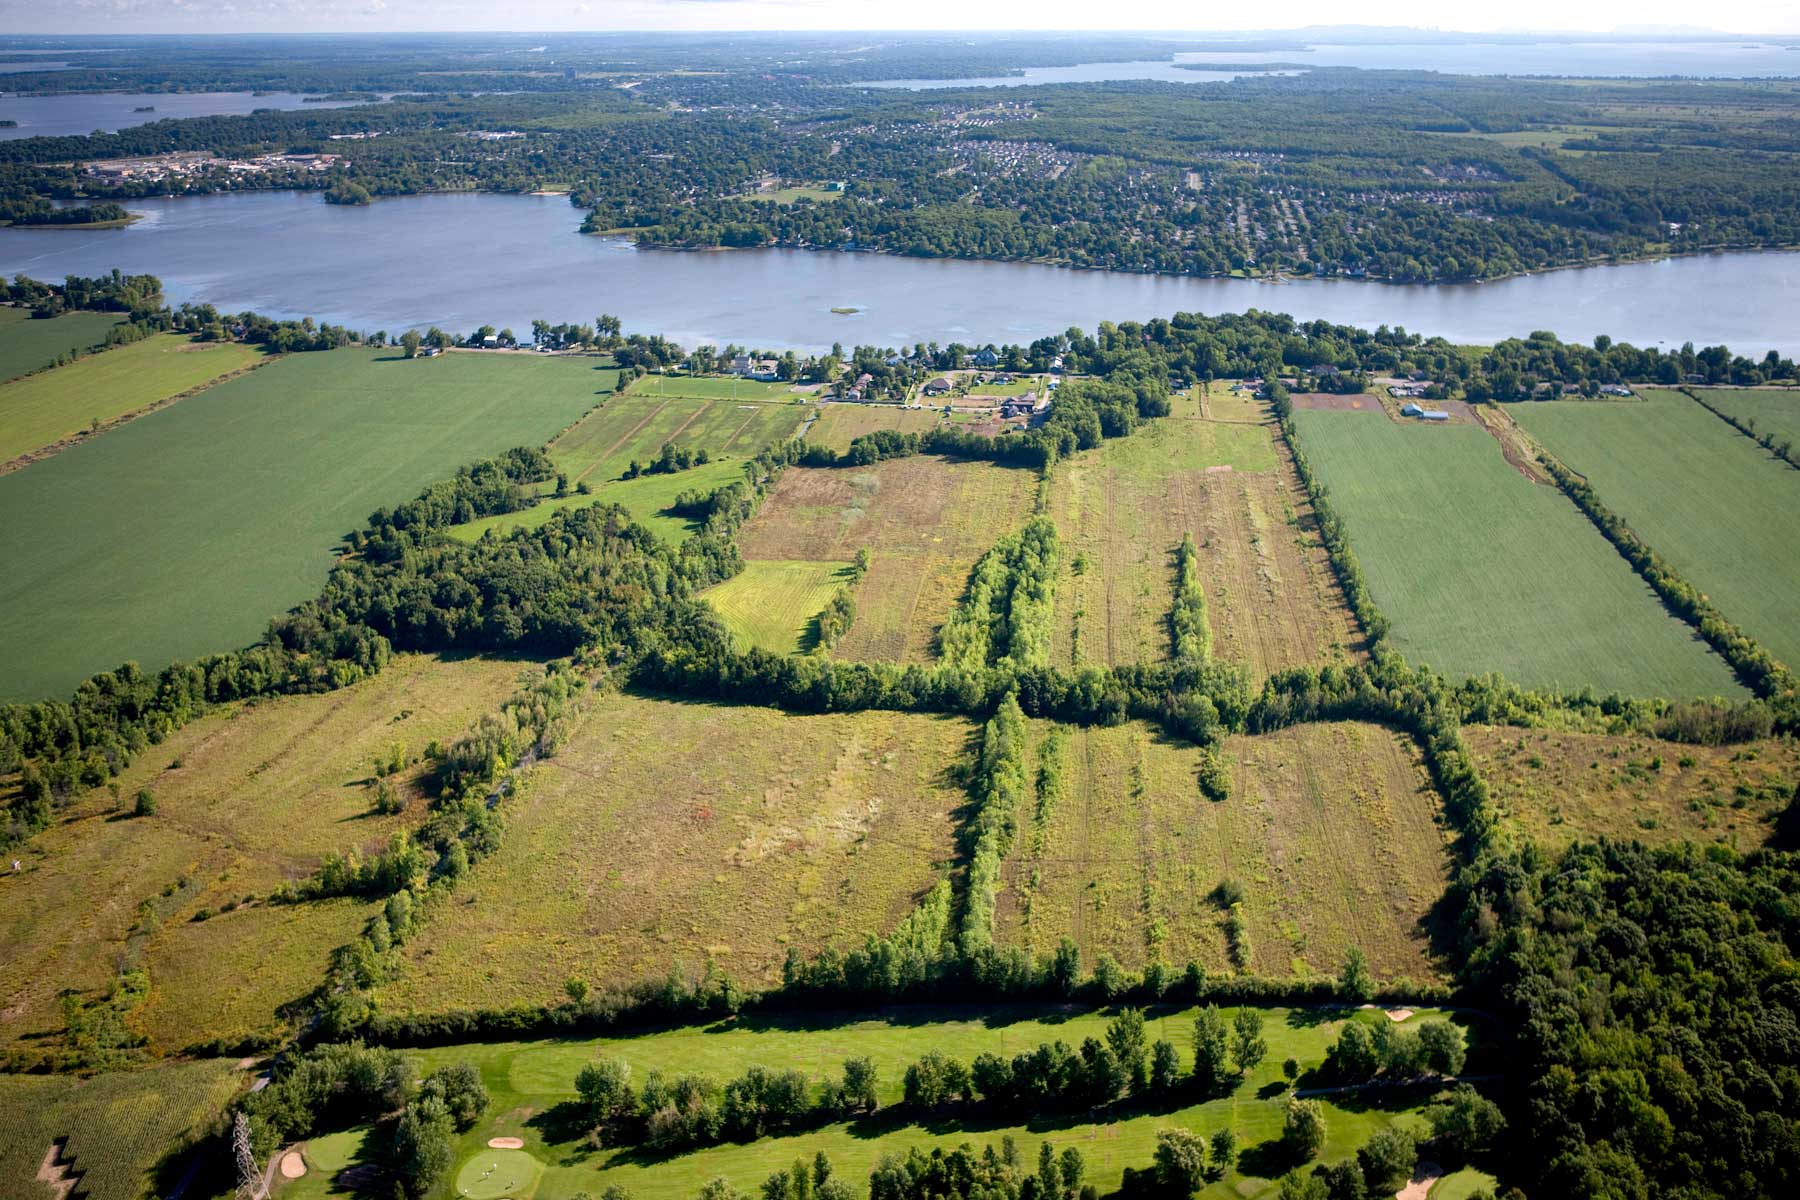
[250,1179]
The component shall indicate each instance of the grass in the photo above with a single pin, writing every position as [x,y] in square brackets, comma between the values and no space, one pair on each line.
[1482,570]
[119,1127]
[773,605]
[647,498]
[530,1080]
[27,344]
[1712,502]
[185,531]
[1561,787]
[839,424]
[1767,410]
[248,797]
[1018,387]
[1329,829]
[1122,510]
[664,833]
[787,195]
[924,522]
[712,387]
[52,405]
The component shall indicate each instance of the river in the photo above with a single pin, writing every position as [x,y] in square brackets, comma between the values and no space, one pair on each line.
[463,260]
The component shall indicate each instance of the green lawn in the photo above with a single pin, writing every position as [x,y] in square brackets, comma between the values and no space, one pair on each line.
[1717,506]
[788,195]
[184,532]
[1480,570]
[27,343]
[647,498]
[1767,410]
[771,605]
[1018,387]
[712,387]
[51,405]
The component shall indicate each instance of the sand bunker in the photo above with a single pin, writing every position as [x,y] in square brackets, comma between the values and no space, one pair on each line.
[1419,1186]
[292,1165]
[507,1143]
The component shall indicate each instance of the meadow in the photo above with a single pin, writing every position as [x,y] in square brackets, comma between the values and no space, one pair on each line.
[712,387]
[1330,832]
[185,531]
[1123,508]
[665,833]
[530,1081]
[840,424]
[1482,570]
[924,522]
[28,344]
[1765,410]
[774,605]
[249,797]
[1718,507]
[98,389]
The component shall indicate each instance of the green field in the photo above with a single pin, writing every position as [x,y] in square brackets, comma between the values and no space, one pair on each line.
[1718,507]
[772,605]
[1018,387]
[840,424]
[184,532]
[787,195]
[1765,410]
[27,343]
[528,1080]
[55,404]
[1481,570]
[712,387]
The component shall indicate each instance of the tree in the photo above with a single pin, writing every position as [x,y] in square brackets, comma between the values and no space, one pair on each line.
[1065,967]
[1302,1185]
[859,1084]
[1165,1067]
[1248,1044]
[1224,1150]
[409,343]
[1180,1161]
[146,803]
[423,1145]
[1211,1065]
[1465,1125]
[1355,983]
[1290,1069]
[1387,1160]
[605,1088]
[1303,1128]
[1442,1047]
[1354,1057]
[459,1086]
[1109,977]
[1125,1035]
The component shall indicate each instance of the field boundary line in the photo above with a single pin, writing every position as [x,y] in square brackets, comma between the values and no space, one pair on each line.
[629,434]
[1786,455]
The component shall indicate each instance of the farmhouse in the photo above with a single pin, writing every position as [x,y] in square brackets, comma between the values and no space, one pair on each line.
[985,358]
[938,387]
[1615,389]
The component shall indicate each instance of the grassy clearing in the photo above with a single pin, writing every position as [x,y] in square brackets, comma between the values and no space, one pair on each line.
[772,605]
[787,195]
[1769,410]
[840,424]
[118,1126]
[183,532]
[26,343]
[52,405]
[248,797]
[1329,829]
[1561,787]
[1717,506]
[647,498]
[1018,387]
[924,521]
[1481,570]
[663,833]
[1123,508]
[711,387]
[528,1080]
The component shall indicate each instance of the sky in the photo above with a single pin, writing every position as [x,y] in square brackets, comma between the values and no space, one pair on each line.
[237,16]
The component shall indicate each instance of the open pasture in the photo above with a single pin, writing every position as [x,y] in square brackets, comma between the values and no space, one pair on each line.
[634,428]
[248,797]
[1765,410]
[100,388]
[840,424]
[1560,787]
[924,522]
[185,531]
[1330,831]
[1122,510]
[28,344]
[711,387]
[664,833]
[1717,506]
[773,605]
[1481,570]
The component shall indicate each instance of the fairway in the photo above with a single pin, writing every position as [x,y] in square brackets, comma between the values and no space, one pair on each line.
[1765,410]
[773,605]
[1720,508]
[1330,830]
[51,405]
[1481,570]
[664,833]
[184,532]
[28,344]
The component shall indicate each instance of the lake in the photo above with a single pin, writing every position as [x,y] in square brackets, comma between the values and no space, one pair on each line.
[1162,69]
[109,112]
[463,260]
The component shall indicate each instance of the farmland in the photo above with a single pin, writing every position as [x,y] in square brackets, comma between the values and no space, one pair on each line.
[1481,570]
[709,387]
[663,834]
[1714,504]
[248,797]
[185,531]
[1123,508]
[839,424]
[1765,410]
[1329,830]
[772,605]
[100,388]
[28,344]
[1560,786]
[924,522]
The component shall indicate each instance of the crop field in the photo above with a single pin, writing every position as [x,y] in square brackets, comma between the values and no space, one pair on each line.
[710,387]
[924,522]
[1122,509]
[52,405]
[840,424]
[1713,503]
[1481,570]
[26,343]
[1560,787]
[118,1126]
[185,531]
[663,833]
[772,605]
[1330,831]
[636,427]
[248,797]
[528,1079]
[1766,410]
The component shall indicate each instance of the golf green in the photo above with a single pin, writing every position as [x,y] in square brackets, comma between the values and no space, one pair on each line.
[498,1175]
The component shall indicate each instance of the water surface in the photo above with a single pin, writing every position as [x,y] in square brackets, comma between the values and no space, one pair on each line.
[109,112]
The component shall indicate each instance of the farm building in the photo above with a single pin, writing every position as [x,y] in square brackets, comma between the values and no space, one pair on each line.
[1423,414]
[1410,409]
[938,387]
